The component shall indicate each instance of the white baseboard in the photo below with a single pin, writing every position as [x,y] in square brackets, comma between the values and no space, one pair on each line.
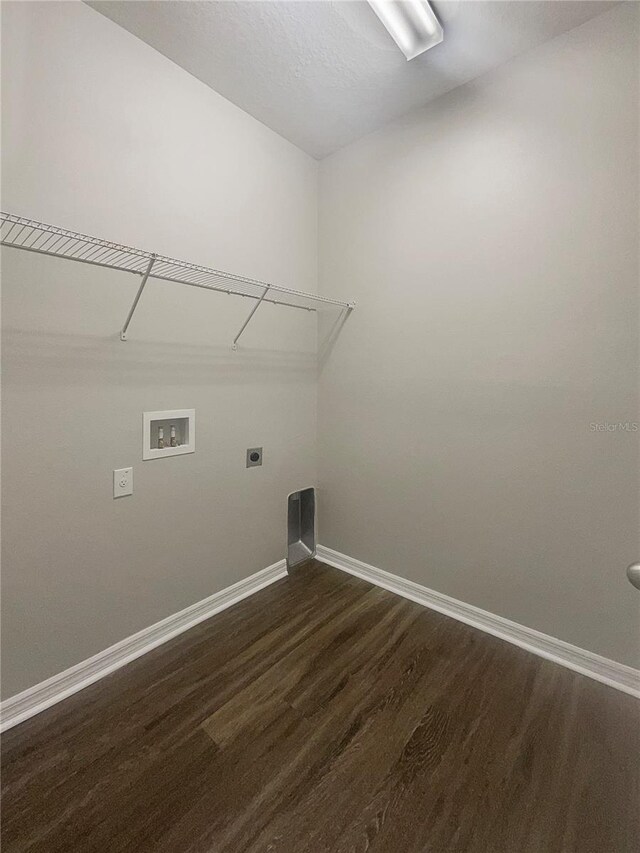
[35,699]
[594,666]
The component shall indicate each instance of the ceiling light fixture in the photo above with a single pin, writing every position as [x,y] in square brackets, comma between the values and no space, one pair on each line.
[411,23]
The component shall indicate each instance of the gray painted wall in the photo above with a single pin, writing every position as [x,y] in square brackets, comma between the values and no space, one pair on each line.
[108,137]
[491,243]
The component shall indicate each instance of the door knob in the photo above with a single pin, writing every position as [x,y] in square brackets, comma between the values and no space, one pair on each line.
[633,573]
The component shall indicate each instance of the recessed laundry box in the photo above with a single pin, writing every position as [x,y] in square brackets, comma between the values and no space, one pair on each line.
[301,526]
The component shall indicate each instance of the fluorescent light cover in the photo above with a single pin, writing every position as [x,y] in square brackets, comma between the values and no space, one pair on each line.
[411,23]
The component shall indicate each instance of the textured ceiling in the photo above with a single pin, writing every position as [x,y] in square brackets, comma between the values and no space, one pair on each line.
[324,73]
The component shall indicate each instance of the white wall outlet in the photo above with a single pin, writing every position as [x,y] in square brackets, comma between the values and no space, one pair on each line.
[122,482]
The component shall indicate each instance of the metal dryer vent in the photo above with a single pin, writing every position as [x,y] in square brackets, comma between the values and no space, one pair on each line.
[301,526]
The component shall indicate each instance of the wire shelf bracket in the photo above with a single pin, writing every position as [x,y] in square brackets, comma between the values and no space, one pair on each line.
[143,283]
[19,232]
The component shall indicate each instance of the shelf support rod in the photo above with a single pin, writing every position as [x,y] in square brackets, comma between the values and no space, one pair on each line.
[123,333]
[251,313]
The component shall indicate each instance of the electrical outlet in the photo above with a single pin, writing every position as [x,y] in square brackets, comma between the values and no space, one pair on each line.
[254,457]
[122,482]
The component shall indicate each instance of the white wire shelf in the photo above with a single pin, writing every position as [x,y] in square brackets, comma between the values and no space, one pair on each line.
[32,236]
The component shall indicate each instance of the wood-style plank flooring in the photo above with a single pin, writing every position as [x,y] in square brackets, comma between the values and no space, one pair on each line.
[323,714]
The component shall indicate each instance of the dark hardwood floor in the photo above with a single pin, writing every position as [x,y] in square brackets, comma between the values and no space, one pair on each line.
[323,714]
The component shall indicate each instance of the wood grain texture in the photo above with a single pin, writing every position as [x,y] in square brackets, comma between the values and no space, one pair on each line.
[324,714]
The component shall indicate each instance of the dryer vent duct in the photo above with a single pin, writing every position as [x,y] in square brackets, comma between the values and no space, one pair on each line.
[301,527]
